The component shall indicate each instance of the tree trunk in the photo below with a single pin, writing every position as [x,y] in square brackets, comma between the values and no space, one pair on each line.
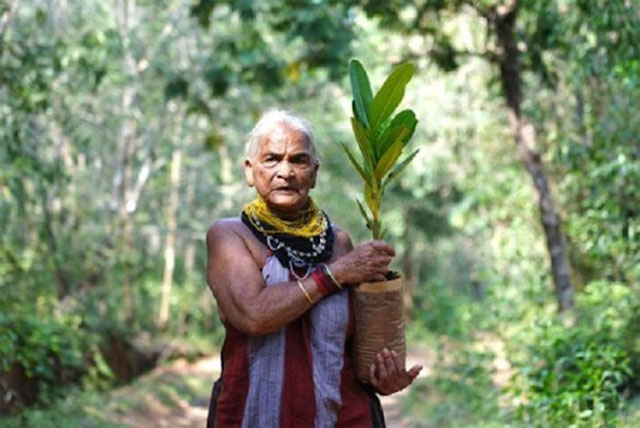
[124,169]
[190,250]
[121,183]
[228,189]
[524,135]
[170,243]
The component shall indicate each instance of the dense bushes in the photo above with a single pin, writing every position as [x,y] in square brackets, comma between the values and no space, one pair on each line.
[46,349]
[39,355]
[583,373]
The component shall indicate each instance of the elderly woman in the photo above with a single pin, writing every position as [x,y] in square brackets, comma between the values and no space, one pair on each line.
[281,274]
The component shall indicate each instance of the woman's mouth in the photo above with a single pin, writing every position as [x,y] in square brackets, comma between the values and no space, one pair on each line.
[286,189]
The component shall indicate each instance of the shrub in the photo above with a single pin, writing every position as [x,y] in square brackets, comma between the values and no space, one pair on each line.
[581,374]
[52,352]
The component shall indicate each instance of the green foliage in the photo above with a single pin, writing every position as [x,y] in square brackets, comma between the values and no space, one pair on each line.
[459,394]
[92,109]
[580,379]
[52,351]
[315,35]
[631,414]
[581,374]
[76,409]
[601,170]
[154,399]
[380,139]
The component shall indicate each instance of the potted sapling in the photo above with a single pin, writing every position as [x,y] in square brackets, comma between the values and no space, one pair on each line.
[381,138]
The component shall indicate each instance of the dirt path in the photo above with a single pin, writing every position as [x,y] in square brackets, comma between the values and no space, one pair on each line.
[177,395]
[392,404]
[185,405]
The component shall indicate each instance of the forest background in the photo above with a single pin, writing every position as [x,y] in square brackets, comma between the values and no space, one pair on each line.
[122,126]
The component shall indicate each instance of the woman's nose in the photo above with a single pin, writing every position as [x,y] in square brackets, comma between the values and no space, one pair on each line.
[285,169]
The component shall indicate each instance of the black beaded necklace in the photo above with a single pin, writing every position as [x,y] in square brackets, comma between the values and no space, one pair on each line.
[300,254]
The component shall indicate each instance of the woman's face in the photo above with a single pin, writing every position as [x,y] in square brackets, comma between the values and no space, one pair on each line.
[282,169]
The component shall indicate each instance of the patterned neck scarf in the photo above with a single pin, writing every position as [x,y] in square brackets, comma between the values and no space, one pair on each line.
[298,242]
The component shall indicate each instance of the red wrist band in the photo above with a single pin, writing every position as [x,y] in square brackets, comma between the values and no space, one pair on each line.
[325,285]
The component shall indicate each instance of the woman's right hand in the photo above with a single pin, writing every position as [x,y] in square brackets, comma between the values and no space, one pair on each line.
[367,262]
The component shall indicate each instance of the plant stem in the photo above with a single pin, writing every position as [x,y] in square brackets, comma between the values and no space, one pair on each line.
[375,227]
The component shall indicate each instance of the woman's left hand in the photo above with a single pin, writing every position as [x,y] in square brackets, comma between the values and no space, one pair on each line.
[388,375]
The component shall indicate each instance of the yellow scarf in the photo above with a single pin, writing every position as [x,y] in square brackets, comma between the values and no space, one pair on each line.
[307,223]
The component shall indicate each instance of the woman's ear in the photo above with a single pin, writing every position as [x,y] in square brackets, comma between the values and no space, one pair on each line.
[248,172]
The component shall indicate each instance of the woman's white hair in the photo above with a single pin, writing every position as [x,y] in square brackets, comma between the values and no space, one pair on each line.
[268,124]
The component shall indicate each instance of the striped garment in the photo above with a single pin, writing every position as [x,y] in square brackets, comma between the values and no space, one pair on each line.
[299,376]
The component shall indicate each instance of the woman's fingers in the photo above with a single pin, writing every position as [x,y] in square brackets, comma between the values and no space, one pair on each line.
[383,247]
[390,363]
[388,375]
[379,376]
[414,372]
[372,375]
[382,368]
[368,262]
[383,261]
[380,267]
[399,361]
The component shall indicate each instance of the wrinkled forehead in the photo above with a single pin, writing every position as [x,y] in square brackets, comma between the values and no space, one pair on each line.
[282,137]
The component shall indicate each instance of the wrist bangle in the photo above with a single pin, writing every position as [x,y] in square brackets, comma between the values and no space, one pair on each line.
[325,285]
[326,270]
[304,290]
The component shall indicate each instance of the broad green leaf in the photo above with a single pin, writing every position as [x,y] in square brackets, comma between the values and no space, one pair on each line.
[398,169]
[390,136]
[381,137]
[390,95]
[363,144]
[365,176]
[401,127]
[356,114]
[364,214]
[372,135]
[354,110]
[361,89]
[405,118]
[388,159]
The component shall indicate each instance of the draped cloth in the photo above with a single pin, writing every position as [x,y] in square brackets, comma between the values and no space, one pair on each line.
[299,375]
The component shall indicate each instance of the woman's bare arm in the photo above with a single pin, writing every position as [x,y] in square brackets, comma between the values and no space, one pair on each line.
[253,308]
[237,283]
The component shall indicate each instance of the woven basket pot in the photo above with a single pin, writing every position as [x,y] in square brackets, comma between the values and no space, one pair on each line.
[379,323]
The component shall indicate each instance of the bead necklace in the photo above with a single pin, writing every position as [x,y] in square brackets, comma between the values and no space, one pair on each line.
[299,253]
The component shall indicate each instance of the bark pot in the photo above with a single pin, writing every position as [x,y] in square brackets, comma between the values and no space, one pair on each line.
[380,323]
